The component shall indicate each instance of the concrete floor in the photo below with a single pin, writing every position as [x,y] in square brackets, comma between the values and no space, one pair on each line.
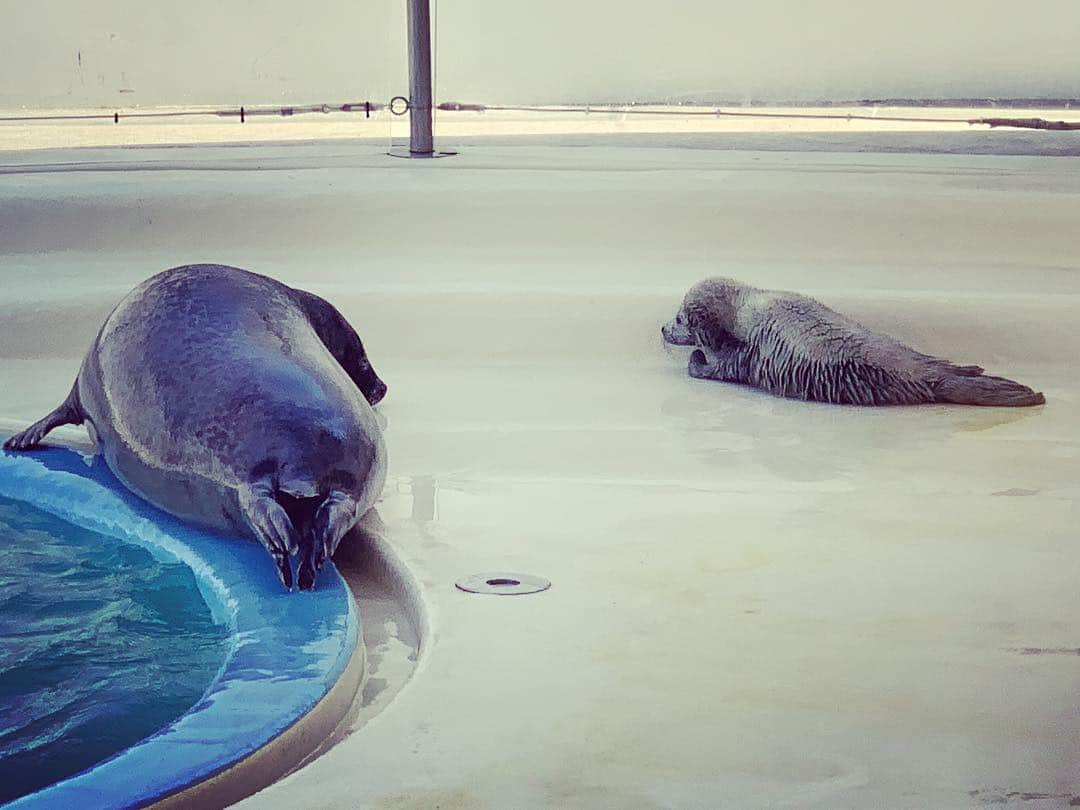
[756,602]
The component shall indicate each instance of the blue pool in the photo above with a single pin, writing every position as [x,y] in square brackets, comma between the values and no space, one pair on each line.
[140,656]
[100,646]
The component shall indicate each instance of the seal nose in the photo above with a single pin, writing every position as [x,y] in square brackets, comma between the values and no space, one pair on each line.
[378,392]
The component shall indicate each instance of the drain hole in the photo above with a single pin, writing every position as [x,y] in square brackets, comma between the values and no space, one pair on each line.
[503,583]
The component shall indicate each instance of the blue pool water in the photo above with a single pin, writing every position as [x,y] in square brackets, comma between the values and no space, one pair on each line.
[101,645]
[279,653]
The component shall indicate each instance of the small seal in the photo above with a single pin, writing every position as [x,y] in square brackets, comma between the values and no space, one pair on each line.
[793,346]
[233,401]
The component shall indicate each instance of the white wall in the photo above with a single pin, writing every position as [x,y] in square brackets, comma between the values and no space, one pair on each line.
[154,52]
[75,53]
[772,49]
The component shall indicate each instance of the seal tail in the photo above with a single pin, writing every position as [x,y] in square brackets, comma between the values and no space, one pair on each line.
[980,390]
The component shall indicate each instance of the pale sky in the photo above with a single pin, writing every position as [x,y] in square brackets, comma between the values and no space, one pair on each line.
[128,52]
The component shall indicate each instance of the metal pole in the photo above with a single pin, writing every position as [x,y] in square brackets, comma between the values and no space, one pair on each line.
[421,142]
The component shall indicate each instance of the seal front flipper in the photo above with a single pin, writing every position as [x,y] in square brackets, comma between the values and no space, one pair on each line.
[701,366]
[271,525]
[724,364]
[67,413]
[335,516]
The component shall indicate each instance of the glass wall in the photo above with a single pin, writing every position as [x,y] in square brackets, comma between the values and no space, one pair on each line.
[299,70]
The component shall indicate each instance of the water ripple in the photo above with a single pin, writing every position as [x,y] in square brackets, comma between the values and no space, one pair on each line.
[100,645]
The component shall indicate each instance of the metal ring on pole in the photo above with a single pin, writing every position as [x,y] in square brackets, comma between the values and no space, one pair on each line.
[403,100]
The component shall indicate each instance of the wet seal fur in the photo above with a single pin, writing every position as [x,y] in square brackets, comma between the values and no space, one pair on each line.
[793,346]
[236,402]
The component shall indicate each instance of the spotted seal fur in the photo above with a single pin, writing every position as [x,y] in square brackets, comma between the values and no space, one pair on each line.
[793,346]
[231,400]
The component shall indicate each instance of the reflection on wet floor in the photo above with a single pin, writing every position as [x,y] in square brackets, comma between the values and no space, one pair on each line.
[736,426]
[423,493]
[391,635]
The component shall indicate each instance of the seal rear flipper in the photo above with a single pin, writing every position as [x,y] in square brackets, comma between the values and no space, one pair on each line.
[335,516]
[67,412]
[986,391]
[967,371]
[947,367]
[271,525]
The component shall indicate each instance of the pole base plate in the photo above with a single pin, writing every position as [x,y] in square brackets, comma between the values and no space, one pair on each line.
[403,152]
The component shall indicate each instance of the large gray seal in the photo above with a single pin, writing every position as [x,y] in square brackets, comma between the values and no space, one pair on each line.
[236,402]
[793,346]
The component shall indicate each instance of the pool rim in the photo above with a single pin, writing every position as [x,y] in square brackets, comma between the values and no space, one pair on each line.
[188,760]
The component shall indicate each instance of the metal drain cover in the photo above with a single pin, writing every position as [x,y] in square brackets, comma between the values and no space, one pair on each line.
[503,583]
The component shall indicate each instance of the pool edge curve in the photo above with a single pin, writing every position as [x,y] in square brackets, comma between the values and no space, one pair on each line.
[327,657]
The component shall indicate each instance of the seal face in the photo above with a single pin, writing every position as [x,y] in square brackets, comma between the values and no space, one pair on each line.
[793,346]
[234,401]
